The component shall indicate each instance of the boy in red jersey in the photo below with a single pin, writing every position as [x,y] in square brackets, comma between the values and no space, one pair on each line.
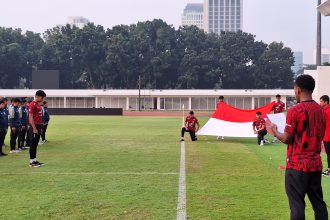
[259,127]
[304,132]
[190,126]
[221,100]
[324,102]
[278,107]
[35,121]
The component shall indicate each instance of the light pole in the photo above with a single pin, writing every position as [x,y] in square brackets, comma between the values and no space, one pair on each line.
[319,37]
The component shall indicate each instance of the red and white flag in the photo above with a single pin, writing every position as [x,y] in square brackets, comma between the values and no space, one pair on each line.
[228,121]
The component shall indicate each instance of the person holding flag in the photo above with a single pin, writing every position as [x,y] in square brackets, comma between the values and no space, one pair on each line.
[191,125]
[221,100]
[259,128]
[278,107]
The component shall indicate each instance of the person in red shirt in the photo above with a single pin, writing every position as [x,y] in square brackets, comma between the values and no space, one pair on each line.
[191,126]
[304,132]
[35,122]
[278,107]
[324,102]
[221,100]
[259,128]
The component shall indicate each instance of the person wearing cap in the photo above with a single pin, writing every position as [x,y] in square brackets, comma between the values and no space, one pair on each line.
[3,126]
[45,121]
[14,123]
[35,121]
[24,123]
[191,125]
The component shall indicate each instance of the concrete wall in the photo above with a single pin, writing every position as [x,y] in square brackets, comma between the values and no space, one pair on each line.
[322,80]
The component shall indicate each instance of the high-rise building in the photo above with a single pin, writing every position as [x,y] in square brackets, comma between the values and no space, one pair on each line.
[77,21]
[223,15]
[325,55]
[193,15]
[298,61]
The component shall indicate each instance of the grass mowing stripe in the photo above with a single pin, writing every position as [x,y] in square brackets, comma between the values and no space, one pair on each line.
[182,213]
[91,173]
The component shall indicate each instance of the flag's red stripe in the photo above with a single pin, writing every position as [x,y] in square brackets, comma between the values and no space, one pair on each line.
[229,113]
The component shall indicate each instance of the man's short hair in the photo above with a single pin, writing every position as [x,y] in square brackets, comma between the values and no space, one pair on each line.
[1,101]
[221,97]
[23,100]
[41,93]
[191,112]
[325,98]
[4,99]
[278,96]
[258,113]
[306,83]
[45,102]
[15,100]
[29,101]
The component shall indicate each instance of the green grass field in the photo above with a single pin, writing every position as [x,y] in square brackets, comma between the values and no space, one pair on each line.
[128,168]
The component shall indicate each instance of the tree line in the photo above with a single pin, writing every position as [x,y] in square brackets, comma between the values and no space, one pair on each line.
[164,57]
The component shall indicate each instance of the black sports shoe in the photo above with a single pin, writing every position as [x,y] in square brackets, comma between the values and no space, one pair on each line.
[41,164]
[326,173]
[3,154]
[35,164]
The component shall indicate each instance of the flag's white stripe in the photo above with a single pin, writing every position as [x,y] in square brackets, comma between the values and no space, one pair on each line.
[217,127]
[181,209]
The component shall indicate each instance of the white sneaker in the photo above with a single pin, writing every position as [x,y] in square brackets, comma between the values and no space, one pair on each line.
[261,143]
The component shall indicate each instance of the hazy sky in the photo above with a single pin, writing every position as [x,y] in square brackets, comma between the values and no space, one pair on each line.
[290,21]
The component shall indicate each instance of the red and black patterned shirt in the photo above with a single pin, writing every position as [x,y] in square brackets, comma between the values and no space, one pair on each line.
[327,118]
[191,123]
[306,122]
[278,107]
[36,110]
[259,123]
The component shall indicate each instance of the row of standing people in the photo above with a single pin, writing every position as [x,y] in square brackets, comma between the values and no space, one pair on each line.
[27,122]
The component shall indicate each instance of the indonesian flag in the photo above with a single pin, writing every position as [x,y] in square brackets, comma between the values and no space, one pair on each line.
[228,121]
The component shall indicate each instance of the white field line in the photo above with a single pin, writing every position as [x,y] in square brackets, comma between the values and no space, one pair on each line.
[181,209]
[91,173]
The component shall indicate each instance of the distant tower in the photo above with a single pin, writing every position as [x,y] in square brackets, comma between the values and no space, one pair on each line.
[193,15]
[223,15]
[78,21]
[298,61]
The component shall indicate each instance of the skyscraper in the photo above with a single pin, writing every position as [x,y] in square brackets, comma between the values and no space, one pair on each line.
[325,55]
[223,15]
[193,15]
[298,61]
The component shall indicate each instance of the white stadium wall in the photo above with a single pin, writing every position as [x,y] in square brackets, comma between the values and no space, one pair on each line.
[155,99]
[322,80]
